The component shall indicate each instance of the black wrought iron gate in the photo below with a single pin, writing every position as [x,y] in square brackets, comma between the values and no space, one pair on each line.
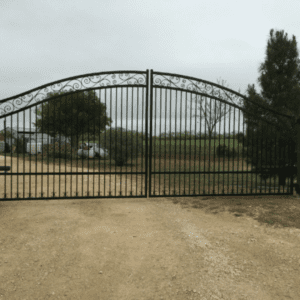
[177,157]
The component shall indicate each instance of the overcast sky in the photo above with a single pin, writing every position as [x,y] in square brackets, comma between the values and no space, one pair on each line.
[215,40]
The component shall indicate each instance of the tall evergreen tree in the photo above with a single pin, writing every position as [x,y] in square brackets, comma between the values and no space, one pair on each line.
[280,83]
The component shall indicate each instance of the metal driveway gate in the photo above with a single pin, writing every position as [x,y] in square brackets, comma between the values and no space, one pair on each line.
[165,146]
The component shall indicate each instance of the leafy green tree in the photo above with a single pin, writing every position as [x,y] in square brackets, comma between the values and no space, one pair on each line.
[72,115]
[280,83]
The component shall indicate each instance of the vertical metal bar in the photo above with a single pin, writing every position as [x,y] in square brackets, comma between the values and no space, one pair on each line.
[156,146]
[180,140]
[11,145]
[190,150]
[195,141]
[238,146]
[170,141]
[88,159]
[256,160]
[214,174]
[71,146]
[109,192]
[261,158]
[126,135]
[42,150]
[150,89]
[47,154]
[94,139]
[204,188]
[233,140]
[132,134]
[99,143]
[271,160]
[54,104]
[185,127]
[298,157]
[264,141]
[219,168]
[160,137]
[209,150]
[66,149]
[30,156]
[82,157]
[18,145]
[164,190]
[123,154]
[116,141]
[201,149]
[228,182]
[255,174]
[137,144]
[224,139]
[277,162]
[175,167]
[145,137]
[59,144]
[243,155]
[77,141]
[105,145]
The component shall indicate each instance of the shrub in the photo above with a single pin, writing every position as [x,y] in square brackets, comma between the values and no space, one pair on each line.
[121,145]
[61,150]
[20,146]
[6,148]
[224,151]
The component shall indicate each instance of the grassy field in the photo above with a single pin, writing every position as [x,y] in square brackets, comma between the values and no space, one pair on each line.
[179,184]
[274,210]
[188,147]
[195,157]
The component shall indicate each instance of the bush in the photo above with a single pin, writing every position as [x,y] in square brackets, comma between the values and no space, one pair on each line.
[20,146]
[114,140]
[6,148]
[61,150]
[224,151]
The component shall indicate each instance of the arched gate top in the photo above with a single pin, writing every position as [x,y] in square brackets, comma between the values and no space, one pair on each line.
[111,79]
[13,104]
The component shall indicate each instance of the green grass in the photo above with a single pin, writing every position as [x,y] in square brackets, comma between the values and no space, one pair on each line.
[189,147]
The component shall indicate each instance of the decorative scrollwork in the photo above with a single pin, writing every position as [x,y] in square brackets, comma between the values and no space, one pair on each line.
[93,80]
[190,84]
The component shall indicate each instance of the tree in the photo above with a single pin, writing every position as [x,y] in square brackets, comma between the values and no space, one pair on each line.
[122,144]
[212,115]
[280,83]
[71,115]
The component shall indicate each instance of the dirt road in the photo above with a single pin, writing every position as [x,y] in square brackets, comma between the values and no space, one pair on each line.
[141,249]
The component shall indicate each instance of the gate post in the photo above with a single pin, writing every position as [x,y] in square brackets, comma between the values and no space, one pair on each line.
[297,186]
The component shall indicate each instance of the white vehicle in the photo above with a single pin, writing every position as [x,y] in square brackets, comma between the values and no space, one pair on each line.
[94,150]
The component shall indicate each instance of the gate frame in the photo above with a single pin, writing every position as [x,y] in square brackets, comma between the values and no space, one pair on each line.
[149,78]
